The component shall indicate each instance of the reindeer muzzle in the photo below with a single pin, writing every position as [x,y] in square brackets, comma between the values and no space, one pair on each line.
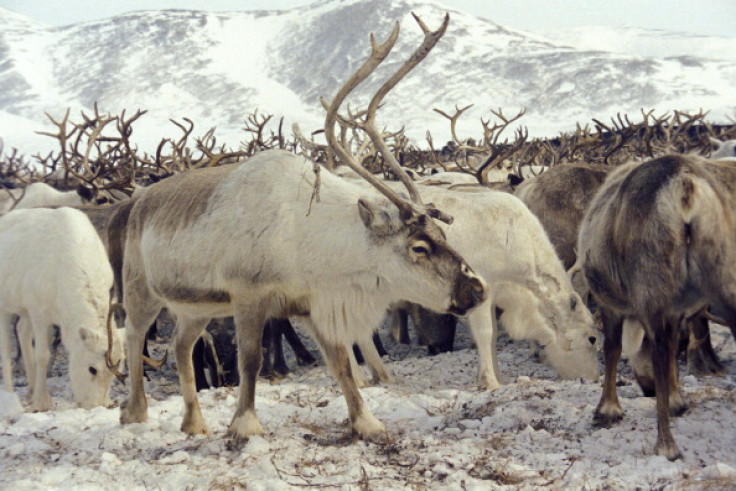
[470,291]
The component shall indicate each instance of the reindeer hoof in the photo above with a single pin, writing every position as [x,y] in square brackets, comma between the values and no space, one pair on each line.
[382,439]
[195,428]
[235,443]
[678,408]
[668,450]
[368,427]
[128,413]
[488,386]
[244,426]
[703,366]
[606,419]
[646,384]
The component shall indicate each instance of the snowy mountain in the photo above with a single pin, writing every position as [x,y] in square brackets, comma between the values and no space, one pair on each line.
[653,43]
[216,68]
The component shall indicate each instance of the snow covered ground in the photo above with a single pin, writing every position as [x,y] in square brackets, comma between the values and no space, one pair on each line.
[534,432]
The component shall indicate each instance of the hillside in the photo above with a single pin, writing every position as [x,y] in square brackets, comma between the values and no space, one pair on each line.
[215,68]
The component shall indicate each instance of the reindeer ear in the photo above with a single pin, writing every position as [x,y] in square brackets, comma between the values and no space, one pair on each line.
[86,335]
[85,193]
[515,180]
[375,218]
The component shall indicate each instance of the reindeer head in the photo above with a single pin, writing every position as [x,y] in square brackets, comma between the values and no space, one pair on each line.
[426,244]
[89,370]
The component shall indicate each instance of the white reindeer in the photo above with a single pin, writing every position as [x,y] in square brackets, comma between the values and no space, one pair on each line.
[505,243]
[54,271]
[725,150]
[264,239]
[38,194]
[243,241]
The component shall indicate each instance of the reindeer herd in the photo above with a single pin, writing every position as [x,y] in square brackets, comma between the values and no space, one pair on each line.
[310,231]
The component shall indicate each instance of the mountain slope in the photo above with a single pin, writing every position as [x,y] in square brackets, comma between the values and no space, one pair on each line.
[216,68]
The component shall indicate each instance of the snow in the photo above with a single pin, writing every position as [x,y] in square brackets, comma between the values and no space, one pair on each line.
[443,432]
[216,68]
[645,42]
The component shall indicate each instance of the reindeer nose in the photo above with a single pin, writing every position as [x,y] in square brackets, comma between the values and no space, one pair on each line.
[479,292]
[592,340]
[477,284]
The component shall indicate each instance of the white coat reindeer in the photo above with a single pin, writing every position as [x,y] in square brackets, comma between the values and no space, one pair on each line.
[54,271]
[267,239]
[505,243]
[38,194]
[724,150]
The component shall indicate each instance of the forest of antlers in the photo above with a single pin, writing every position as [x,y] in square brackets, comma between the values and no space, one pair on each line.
[97,150]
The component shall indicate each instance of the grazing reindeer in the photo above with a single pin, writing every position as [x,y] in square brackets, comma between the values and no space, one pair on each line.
[559,198]
[656,244]
[54,271]
[504,242]
[272,238]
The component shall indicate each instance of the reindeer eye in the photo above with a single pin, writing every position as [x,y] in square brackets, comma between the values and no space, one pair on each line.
[420,248]
[93,370]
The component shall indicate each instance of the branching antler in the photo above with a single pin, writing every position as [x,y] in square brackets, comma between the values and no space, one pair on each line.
[409,210]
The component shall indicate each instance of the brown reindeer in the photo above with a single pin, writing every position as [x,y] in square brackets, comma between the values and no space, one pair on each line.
[559,198]
[656,244]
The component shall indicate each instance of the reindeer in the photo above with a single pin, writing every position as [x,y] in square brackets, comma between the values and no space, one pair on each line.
[55,272]
[273,237]
[505,243]
[39,194]
[653,248]
[724,150]
[559,199]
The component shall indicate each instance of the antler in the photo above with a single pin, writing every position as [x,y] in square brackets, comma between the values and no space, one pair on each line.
[114,367]
[409,210]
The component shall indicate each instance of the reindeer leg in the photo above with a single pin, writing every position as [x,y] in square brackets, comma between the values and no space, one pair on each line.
[279,362]
[609,409]
[141,310]
[6,329]
[484,329]
[380,350]
[303,356]
[13,323]
[641,365]
[199,362]
[398,322]
[663,350]
[249,321]
[41,399]
[372,355]
[24,331]
[186,334]
[267,370]
[336,355]
[677,404]
[701,357]
[358,375]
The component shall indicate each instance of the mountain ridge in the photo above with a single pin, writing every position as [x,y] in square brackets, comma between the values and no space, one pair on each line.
[217,67]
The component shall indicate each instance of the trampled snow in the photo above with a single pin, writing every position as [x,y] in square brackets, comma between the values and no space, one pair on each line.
[535,431]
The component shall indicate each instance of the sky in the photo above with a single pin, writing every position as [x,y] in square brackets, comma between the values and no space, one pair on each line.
[700,17]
